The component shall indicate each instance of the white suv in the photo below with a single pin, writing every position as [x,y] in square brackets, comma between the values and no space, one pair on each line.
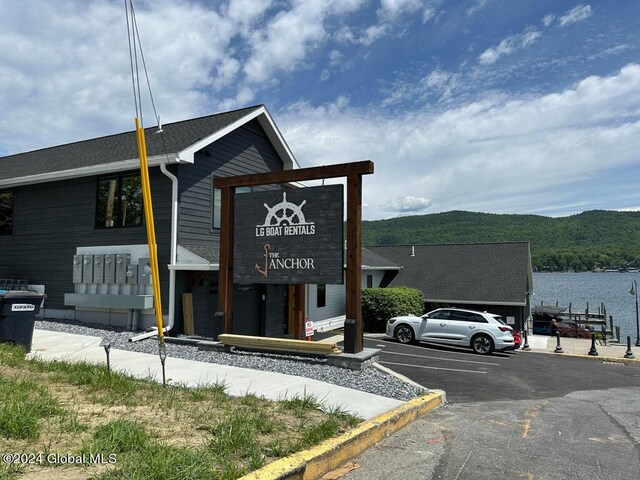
[483,332]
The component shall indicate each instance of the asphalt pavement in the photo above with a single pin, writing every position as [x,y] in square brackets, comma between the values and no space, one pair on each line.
[510,375]
[512,415]
[590,435]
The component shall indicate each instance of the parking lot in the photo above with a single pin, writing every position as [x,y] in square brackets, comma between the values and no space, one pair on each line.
[510,415]
[510,375]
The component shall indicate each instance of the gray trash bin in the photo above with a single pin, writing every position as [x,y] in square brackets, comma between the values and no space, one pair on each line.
[17,316]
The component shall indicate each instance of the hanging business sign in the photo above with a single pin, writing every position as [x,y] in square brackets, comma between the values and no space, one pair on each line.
[289,236]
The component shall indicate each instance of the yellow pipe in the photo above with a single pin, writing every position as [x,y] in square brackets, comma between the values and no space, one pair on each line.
[151,231]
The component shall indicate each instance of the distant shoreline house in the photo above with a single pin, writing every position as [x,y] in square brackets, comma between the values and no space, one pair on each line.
[72,223]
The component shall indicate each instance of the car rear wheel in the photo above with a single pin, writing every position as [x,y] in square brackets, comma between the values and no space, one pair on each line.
[482,344]
[404,334]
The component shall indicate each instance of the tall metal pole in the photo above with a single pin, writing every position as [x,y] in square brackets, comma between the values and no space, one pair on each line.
[635,289]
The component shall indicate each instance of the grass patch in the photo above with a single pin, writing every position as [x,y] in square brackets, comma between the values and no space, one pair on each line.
[96,378]
[22,405]
[301,405]
[10,472]
[163,461]
[153,432]
[318,432]
[117,436]
[12,355]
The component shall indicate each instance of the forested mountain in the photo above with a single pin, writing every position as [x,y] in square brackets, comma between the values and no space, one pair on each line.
[589,240]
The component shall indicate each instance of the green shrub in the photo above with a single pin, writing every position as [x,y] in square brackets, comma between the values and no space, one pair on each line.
[380,304]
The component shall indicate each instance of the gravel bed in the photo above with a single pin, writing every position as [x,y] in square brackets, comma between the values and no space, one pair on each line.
[370,380]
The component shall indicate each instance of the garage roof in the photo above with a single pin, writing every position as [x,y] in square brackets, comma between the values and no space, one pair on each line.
[492,273]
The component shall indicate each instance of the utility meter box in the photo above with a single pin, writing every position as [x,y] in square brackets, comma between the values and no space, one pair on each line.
[144,272]
[87,269]
[77,269]
[132,274]
[98,269]
[110,269]
[122,262]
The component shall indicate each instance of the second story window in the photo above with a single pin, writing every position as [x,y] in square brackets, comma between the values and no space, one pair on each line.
[119,201]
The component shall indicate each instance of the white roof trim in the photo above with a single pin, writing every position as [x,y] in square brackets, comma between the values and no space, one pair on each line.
[475,302]
[266,122]
[186,155]
[101,169]
[203,267]
[187,260]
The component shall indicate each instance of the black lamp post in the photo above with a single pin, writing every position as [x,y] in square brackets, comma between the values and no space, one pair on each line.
[634,292]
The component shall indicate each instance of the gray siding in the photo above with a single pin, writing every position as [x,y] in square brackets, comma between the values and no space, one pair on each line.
[52,219]
[275,310]
[335,302]
[245,150]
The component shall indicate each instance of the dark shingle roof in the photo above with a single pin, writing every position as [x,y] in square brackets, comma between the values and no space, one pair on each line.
[373,260]
[483,273]
[211,253]
[116,148]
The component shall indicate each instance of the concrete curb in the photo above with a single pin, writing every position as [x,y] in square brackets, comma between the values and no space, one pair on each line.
[397,375]
[591,357]
[314,463]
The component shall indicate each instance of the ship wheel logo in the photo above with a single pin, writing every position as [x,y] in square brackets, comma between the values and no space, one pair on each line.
[285,213]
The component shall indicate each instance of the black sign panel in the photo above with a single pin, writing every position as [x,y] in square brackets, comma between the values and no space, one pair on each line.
[289,236]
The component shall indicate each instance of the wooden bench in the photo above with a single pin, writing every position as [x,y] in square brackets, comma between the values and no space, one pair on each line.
[285,345]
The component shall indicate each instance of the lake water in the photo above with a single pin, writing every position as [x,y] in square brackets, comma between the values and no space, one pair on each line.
[612,289]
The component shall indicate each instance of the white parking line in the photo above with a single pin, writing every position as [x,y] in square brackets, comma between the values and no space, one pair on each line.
[440,358]
[433,368]
[427,344]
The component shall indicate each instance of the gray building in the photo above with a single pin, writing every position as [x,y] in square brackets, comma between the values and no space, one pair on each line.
[494,277]
[72,222]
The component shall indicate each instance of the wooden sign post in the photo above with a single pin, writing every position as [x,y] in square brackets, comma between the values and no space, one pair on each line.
[353,283]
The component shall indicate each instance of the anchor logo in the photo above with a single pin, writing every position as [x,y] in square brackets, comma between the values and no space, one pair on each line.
[264,271]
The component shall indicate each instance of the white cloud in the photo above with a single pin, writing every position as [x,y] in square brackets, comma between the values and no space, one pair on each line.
[391,15]
[392,9]
[409,204]
[476,7]
[612,51]
[576,14]
[438,85]
[548,19]
[283,45]
[246,12]
[496,154]
[509,45]
[66,63]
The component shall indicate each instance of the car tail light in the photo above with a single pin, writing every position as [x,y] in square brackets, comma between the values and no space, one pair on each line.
[505,329]
[392,321]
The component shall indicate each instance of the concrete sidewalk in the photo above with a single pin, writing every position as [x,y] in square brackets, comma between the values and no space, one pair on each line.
[50,346]
[580,346]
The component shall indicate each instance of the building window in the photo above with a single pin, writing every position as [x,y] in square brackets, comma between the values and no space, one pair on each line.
[119,202]
[216,203]
[321,296]
[6,212]
[369,281]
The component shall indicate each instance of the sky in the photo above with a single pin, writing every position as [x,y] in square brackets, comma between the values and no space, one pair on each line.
[498,106]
